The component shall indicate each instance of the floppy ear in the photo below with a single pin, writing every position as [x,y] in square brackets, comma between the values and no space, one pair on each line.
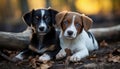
[28,17]
[53,14]
[87,22]
[59,17]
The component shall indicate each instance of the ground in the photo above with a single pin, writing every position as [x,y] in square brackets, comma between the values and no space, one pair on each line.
[107,57]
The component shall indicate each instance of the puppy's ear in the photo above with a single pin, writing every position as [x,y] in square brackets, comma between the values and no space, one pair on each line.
[59,17]
[53,14]
[87,22]
[28,17]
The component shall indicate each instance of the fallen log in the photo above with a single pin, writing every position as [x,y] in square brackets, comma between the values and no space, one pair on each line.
[108,34]
[15,41]
[18,41]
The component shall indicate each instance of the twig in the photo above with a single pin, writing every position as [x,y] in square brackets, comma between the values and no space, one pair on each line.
[6,57]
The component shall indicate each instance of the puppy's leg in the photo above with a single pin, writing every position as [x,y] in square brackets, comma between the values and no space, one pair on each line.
[44,58]
[21,55]
[78,55]
[49,55]
[61,54]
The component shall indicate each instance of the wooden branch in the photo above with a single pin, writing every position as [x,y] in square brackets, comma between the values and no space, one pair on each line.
[18,41]
[108,34]
[15,41]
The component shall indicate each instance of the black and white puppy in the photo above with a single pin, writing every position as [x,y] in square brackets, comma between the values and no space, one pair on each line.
[44,40]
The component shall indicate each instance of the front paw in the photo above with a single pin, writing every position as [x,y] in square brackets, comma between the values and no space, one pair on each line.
[15,59]
[75,58]
[18,58]
[44,58]
[61,54]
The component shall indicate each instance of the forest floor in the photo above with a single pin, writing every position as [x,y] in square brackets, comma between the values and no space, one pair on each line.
[106,57]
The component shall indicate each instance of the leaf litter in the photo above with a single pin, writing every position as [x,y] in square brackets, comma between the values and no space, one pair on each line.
[107,53]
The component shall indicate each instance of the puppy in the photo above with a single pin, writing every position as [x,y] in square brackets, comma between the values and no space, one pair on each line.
[44,39]
[75,35]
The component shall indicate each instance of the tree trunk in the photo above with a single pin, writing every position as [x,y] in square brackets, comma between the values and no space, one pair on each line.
[24,6]
[18,41]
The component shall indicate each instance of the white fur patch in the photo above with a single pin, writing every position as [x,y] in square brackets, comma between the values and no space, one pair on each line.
[42,13]
[44,58]
[71,28]
[19,56]
[42,24]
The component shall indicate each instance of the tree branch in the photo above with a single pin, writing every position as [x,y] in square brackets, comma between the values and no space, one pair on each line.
[108,34]
[15,41]
[18,41]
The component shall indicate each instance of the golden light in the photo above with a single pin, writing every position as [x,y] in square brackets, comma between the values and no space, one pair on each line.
[106,6]
[88,6]
[93,6]
[36,4]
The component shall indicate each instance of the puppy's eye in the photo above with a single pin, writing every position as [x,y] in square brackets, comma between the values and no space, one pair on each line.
[77,25]
[65,23]
[46,16]
[37,17]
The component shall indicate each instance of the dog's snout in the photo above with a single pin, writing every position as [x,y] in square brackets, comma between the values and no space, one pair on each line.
[41,28]
[70,33]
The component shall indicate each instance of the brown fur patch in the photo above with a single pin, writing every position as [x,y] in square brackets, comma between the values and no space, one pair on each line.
[68,18]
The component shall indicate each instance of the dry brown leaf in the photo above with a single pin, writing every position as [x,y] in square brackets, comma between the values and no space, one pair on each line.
[92,57]
[116,52]
[45,65]
[112,58]
[78,63]
[103,43]
[34,62]
[68,52]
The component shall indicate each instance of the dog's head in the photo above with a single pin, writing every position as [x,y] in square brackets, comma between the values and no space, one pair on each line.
[41,20]
[72,23]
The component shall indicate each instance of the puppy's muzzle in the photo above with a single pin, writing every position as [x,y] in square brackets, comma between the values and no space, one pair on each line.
[41,29]
[70,33]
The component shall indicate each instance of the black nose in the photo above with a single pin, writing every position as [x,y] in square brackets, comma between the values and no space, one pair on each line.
[41,28]
[70,32]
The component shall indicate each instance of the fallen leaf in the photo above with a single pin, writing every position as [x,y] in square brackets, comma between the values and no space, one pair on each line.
[92,57]
[112,58]
[45,65]
[68,52]
[116,52]
[103,43]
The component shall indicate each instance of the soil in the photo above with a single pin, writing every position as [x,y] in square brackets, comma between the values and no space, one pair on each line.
[107,57]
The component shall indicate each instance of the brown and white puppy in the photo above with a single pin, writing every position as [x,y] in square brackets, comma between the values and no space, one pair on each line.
[75,35]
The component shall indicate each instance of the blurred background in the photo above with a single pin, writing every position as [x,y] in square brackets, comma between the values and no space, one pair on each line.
[103,12]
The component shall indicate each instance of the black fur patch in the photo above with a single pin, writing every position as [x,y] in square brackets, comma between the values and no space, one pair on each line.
[91,36]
